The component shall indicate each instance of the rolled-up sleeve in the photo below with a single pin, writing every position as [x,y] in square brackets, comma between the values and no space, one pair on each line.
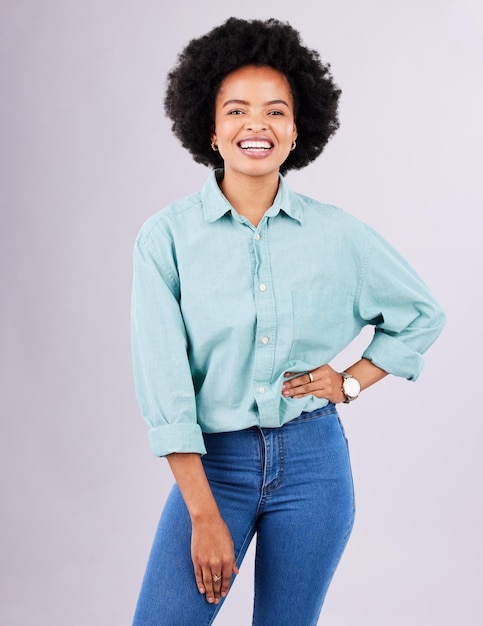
[406,316]
[162,376]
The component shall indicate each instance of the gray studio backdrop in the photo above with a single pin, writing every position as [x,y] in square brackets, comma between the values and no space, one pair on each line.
[87,156]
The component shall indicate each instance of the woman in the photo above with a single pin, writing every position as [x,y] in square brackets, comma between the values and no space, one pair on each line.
[243,294]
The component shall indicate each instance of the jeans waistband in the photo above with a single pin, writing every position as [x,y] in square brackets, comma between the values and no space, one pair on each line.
[328,409]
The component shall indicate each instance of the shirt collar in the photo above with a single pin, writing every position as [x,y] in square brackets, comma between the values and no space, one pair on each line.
[215,205]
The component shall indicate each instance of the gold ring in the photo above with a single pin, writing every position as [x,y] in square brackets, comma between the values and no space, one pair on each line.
[311,378]
[215,578]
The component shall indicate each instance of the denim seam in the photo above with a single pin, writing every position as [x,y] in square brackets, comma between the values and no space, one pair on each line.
[247,534]
[347,534]
[267,489]
[216,609]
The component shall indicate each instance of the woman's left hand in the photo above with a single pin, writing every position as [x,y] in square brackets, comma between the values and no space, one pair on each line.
[322,382]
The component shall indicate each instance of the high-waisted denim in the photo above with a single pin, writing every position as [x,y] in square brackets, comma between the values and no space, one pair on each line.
[292,487]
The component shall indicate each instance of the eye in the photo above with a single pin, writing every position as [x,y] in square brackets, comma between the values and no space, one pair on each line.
[275,113]
[235,112]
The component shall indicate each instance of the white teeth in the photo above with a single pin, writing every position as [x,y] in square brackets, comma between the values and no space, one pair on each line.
[256,145]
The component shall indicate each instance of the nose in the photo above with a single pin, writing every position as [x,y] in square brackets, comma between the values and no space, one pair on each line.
[256,122]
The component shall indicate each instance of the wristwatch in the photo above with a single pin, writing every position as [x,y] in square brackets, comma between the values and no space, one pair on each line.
[351,387]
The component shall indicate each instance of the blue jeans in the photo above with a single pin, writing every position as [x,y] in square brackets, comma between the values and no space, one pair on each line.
[292,487]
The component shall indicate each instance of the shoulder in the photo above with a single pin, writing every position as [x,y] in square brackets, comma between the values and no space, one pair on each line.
[324,214]
[162,223]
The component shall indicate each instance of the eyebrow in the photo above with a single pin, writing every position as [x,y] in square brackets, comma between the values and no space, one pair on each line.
[236,101]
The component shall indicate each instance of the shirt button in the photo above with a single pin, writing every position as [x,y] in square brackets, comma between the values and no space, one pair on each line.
[265,340]
[261,389]
[262,287]
[256,236]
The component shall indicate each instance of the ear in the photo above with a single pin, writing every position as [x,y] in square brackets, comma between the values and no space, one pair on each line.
[295,132]
[213,132]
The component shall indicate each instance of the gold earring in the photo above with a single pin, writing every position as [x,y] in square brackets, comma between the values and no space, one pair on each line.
[214,147]
[293,146]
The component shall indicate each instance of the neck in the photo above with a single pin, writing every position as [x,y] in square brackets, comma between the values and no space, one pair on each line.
[250,196]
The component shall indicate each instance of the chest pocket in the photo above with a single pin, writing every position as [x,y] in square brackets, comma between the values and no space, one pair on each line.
[320,320]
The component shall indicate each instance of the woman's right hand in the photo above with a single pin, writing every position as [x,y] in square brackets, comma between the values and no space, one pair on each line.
[213,558]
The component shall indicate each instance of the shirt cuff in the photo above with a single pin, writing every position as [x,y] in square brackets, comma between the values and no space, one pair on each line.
[394,357]
[176,438]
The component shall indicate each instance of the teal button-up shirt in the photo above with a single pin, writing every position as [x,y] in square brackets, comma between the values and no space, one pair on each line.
[222,309]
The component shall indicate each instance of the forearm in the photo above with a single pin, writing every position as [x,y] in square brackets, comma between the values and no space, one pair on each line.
[190,476]
[366,373]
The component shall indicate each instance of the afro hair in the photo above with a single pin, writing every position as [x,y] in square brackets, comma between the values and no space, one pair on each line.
[201,67]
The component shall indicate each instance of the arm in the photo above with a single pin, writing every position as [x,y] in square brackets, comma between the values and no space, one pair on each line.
[166,396]
[162,375]
[406,317]
[211,543]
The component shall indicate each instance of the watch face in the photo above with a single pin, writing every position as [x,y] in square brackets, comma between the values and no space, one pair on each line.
[352,387]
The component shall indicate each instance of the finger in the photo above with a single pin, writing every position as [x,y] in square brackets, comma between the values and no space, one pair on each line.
[208,585]
[303,394]
[199,580]
[307,378]
[294,376]
[293,382]
[317,389]
[297,390]
[217,584]
[226,579]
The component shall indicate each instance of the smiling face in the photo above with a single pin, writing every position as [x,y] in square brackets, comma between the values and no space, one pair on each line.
[254,125]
